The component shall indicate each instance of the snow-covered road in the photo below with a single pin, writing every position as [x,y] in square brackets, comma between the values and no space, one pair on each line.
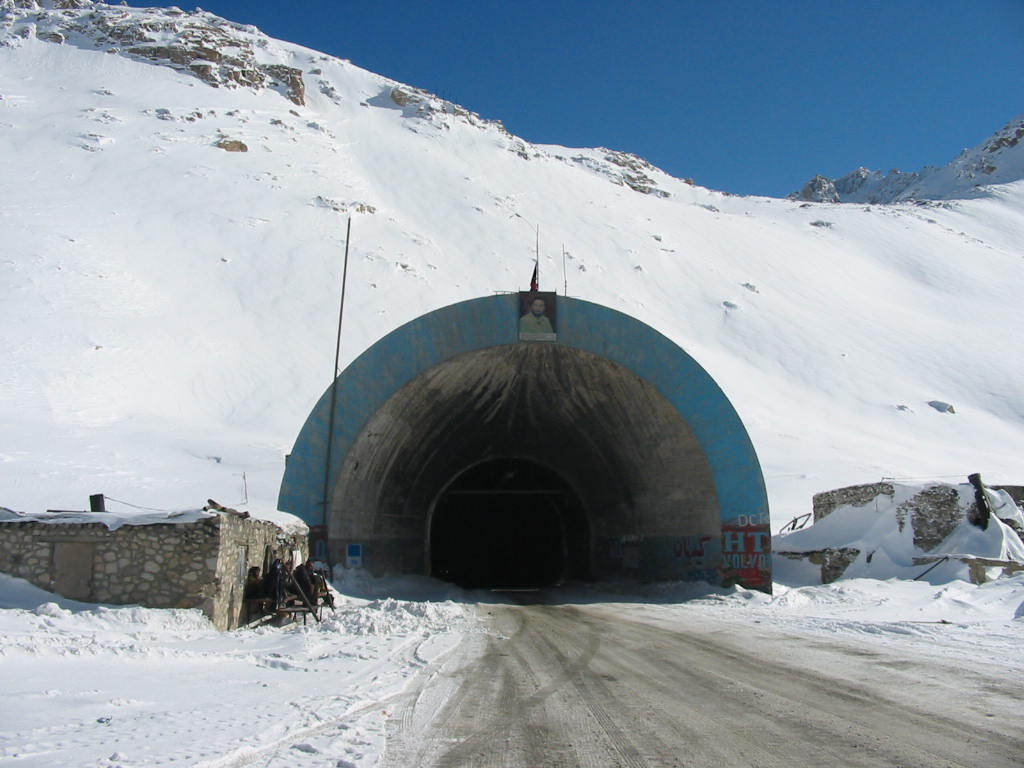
[883,673]
[622,685]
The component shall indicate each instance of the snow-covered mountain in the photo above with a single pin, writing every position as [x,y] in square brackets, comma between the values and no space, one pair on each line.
[173,199]
[997,160]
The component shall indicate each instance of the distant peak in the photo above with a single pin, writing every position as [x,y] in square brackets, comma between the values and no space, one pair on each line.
[1010,136]
[997,160]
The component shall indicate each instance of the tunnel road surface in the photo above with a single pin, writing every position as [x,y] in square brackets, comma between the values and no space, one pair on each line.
[558,686]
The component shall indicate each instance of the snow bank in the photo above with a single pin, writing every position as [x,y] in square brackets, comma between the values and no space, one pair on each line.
[894,600]
[104,685]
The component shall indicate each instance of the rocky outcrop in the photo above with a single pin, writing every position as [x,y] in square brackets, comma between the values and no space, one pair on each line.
[820,189]
[224,54]
[860,186]
[404,98]
[1010,136]
[218,52]
[635,172]
[232,145]
[622,168]
[287,78]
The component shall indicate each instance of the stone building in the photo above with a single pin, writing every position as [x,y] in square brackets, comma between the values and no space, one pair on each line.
[196,559]
[889,529]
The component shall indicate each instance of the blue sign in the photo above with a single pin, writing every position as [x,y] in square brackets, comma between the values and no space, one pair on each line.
[354,556]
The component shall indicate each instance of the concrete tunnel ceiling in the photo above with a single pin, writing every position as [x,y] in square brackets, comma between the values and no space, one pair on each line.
[604,451]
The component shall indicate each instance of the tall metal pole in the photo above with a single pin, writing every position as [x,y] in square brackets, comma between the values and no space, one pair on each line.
[565,277]
[334,385]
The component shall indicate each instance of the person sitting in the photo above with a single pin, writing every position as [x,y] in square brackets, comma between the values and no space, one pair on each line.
[275,583]
[257,601]
[254,586]
[322,588]
[304,580]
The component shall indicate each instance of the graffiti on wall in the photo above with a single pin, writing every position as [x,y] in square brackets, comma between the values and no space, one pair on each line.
[692,547]
[747,552]
[699,554]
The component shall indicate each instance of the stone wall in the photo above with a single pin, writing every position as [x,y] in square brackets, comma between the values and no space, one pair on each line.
[26,554]
[827,502]
[185,565]
[934,514]
[245,543]
[833,562]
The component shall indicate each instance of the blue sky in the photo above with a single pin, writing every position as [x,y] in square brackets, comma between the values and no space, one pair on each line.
[742,96]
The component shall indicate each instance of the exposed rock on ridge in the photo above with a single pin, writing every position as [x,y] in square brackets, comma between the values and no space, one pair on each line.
[997,160]
[218,52]
[229,55]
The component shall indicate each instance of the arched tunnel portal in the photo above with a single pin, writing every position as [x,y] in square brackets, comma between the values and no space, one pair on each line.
[468,452]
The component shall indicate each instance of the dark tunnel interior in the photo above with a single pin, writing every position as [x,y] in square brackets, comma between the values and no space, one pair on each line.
[508,524]
[520,466]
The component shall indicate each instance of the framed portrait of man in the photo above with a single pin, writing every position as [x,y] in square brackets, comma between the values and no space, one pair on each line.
[538,316]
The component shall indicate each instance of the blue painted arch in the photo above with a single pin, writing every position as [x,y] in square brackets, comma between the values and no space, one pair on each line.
[430,340]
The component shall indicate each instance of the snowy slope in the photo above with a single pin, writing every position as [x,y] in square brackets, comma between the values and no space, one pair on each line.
[169,306]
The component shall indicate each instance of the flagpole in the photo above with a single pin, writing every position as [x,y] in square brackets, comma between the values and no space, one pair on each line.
[536,257]
[334,390]
[565,276]
[536,249]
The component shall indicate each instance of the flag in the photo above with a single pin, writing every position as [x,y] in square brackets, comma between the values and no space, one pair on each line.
[535,279]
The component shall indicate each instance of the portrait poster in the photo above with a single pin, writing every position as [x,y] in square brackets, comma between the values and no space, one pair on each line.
[538,316]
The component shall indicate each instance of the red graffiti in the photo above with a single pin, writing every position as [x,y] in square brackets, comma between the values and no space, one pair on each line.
[746,556]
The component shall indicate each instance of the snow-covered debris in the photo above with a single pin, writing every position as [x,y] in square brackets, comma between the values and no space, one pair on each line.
[898,530]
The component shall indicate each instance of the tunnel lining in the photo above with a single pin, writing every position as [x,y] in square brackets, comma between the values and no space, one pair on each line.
[367,386]
[635,464]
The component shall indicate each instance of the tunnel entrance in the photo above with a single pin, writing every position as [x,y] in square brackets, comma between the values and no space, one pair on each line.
[613,473]
[650,470]
[508,523]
